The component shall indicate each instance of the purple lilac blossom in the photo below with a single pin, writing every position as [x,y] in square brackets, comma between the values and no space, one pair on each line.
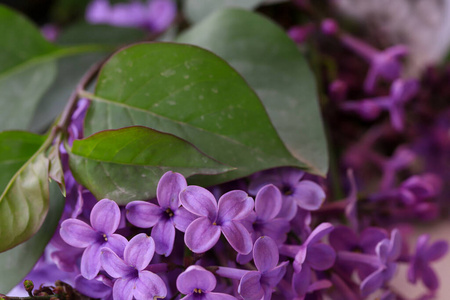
[263,220]
[203,233]
[154,15]
[105,218]
[166,216]
[198,283]
[99,287]
[132,280]
[385,64]
[306,194]
[300,34]
[401,92]
[419,268]
[259,284]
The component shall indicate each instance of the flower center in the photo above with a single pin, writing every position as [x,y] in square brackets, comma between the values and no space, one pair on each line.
[105,237]
[286,190]
[169,213]
[197,291]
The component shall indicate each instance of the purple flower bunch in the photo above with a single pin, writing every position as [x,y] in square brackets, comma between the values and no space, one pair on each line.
[236,247]
[154,15]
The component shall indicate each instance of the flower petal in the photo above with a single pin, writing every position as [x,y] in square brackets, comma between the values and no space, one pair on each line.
[113,264]
[250,287]
[90,261]
[92,288]
[182,218]
[164,235]
[169,187]
[276,229]
[265,254]
[237,236]
[370,237]
[199,201]
[320,257]
[105,216]
[77,233]
[319,232]
[218,296]
[201,235]
[116,243]
[196,277]
[309,195]
[143,214]
[139,251]
[437,250]
[268,202]
[234,205]
[273,276]
[123,289]
[372,283]
[343,238]
[149,286]
[301,281]
[429,278]
[288,208]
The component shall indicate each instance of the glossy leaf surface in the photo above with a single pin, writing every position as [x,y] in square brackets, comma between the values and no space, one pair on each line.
[193,94]
[273,66]
[126,164]
[18,261]
[24,187]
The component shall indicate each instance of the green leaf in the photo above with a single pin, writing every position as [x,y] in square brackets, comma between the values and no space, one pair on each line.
[271,63]
[56,171]
[196,10]
[18,261]
[126,164]
[23,80]
[193,94]
[83,33]
[24,186]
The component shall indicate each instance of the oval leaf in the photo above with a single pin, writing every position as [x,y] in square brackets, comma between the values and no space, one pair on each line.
[126,164]
[272,64]
[193,94]
[24,185]
[18,261]
[23,77]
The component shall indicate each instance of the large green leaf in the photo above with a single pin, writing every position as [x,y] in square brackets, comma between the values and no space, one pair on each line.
[23,79]
[126,164]
[18,261]
[196,10]
[271,63]
[193,94]
[28,69]
[24,187]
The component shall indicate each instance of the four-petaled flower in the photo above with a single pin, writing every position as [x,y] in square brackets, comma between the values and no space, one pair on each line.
[419,267]
[105,218]
[255,285]
[198,283]
[165,217]
[132,278]
[203,233]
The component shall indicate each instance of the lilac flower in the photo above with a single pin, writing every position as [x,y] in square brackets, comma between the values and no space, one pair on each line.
[259,284]
[165,217]
[318,255]
[105,218]
[383,64]
[155,15]
[132,278]
[203,233]
[262,221]
[310,255]
[402,158]
[387,252]
[198,283]
[329,27]
[401,92]
[300,34]
[305,194]
[419,266]
[100,287]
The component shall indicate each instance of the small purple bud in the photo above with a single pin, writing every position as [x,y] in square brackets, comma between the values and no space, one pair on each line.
[300,34]
[329,27]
